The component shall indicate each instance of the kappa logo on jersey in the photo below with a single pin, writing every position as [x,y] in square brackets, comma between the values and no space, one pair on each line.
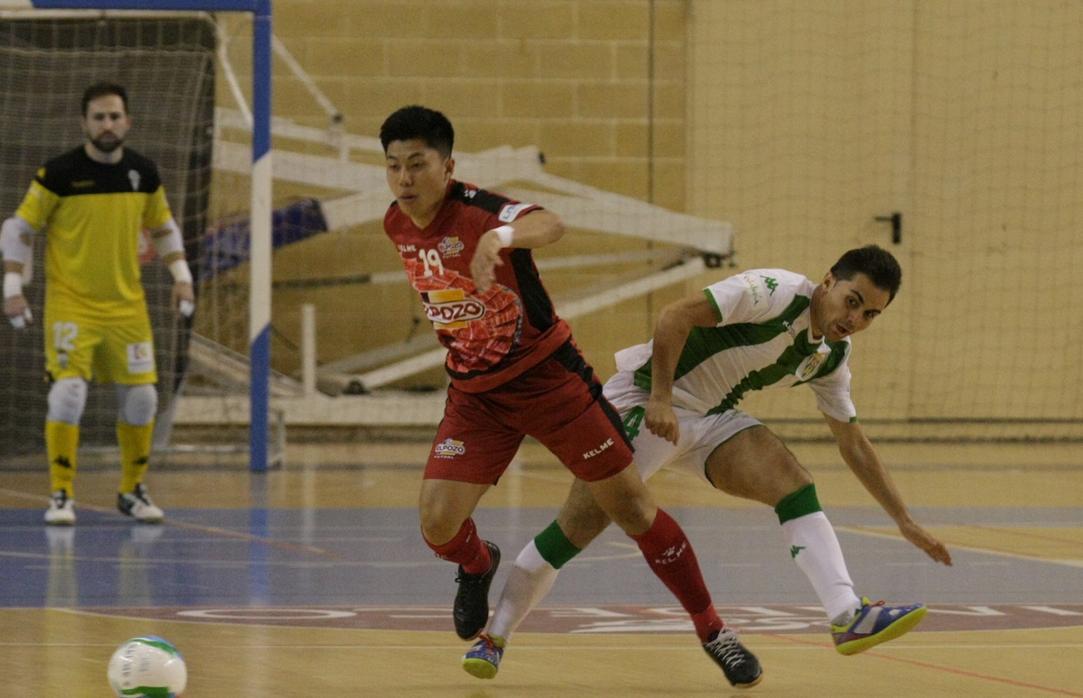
[449,448]
[509,212]
[451,246]
[770,283]
[134,178]
[598,449]
[451,308]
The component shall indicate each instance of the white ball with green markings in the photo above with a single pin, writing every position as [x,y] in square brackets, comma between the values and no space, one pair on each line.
[147,667]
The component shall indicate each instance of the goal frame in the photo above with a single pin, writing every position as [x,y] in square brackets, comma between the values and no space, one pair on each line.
[260,244]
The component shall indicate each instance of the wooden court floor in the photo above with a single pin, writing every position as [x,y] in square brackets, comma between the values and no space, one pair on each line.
[312,581]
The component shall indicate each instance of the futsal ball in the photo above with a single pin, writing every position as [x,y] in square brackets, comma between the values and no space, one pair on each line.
[147,667]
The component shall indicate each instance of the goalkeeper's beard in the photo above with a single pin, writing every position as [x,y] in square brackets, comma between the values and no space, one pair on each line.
[107,143]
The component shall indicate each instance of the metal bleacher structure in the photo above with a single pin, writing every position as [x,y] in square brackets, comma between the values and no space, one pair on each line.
[358,390]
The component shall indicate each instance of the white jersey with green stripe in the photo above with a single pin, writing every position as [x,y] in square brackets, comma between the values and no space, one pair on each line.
[763,339]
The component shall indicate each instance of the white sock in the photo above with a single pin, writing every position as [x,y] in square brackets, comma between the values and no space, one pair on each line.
[815,549]
[529,581]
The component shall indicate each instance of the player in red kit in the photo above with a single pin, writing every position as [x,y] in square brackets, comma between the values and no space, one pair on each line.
[515,370]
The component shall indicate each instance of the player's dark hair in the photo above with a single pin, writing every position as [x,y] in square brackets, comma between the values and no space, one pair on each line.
[874,262]
[422,123]
[103,89]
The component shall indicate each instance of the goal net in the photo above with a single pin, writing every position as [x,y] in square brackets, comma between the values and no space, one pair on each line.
[169,63]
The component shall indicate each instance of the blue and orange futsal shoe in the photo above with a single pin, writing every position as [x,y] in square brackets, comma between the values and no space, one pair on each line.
[875,623]
[483,659]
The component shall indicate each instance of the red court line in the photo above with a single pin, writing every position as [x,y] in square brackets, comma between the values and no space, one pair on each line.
[945,669]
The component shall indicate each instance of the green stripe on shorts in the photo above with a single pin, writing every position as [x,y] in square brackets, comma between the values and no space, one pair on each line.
[633,422]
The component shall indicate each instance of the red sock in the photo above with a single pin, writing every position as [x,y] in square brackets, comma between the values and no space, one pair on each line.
[670,555]
[466,548]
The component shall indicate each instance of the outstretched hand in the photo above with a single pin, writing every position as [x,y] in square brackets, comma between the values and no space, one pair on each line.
[926,541]
[486,259]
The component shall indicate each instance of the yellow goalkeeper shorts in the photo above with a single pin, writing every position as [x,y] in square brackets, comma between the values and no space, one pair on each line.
[119,350]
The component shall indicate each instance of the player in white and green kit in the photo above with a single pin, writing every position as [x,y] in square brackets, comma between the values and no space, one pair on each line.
[677,395]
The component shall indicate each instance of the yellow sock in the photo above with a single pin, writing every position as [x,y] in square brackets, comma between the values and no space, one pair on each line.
[61,445]
[134,453]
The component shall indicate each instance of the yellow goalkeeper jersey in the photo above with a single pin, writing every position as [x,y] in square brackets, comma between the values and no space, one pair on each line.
[93,215]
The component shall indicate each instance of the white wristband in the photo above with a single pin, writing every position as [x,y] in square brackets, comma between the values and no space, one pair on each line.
[180,271]
[506,233]
[13,284]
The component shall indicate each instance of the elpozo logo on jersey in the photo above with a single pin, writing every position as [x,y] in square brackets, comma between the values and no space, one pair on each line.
[451,308]
[449,448]
[451,246]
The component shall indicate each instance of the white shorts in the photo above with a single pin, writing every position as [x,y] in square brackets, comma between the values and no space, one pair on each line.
[700,434]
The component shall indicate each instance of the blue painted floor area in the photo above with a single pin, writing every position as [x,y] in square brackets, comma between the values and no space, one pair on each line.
[277,557]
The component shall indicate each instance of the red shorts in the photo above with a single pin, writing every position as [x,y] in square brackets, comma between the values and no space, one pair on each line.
[559,402]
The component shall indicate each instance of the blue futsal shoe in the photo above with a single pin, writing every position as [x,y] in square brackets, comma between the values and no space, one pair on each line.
[875,623]
[483,659]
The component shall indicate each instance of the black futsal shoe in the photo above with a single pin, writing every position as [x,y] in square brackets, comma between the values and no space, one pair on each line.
[741,667]
[471,611]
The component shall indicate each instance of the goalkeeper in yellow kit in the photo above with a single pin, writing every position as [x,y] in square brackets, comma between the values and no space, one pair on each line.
[92,204]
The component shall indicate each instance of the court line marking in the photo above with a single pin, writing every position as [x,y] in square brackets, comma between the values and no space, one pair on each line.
[969,548]
[535,647]
[213,530]
[947,669]
[1023,532]
[226,564]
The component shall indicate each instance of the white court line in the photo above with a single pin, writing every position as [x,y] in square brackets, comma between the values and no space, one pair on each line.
[224,564]
[969,548]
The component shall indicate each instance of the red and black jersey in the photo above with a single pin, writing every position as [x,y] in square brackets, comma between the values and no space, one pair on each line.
[491,337]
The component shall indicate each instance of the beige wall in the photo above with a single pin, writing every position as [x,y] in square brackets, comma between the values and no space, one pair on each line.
[808,119]
[568,76]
